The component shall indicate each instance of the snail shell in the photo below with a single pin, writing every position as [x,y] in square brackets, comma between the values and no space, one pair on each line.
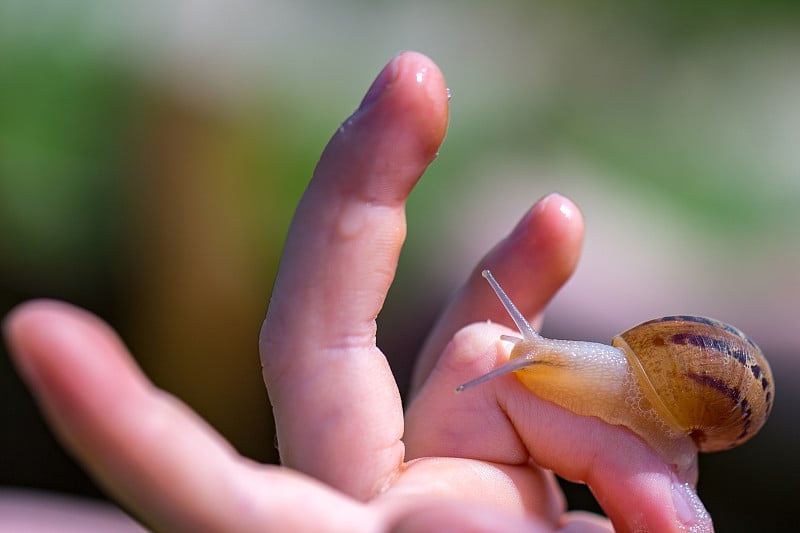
[681,383]
[719,385]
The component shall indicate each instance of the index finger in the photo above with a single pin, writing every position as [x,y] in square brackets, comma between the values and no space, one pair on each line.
[337,408]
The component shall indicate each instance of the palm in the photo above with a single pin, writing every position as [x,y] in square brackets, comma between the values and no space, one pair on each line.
[352,461]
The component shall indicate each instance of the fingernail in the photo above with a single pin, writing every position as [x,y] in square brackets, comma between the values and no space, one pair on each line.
[690,510]
[381,83]
[541,204]
[538,208]
[566,208]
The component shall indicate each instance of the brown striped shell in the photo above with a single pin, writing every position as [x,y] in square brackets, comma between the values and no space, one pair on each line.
[706,378]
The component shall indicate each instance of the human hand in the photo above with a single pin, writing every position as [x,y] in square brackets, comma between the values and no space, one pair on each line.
[351,462]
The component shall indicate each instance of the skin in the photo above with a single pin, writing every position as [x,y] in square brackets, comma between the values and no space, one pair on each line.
[352,459]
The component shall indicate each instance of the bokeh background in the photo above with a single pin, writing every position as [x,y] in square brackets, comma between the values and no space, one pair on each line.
[152,154]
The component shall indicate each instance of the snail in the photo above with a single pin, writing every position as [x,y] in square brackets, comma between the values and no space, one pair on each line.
[681,383]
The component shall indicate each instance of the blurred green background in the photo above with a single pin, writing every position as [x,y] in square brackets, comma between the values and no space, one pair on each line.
[152,154]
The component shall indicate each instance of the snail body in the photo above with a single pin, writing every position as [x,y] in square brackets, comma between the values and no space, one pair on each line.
[681,383]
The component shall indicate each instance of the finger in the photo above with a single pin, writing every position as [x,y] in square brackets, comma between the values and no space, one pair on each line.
[337,408]
[156,456]
[635,487]
[533,261]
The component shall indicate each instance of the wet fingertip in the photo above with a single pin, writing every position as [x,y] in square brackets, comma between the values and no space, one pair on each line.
[690,511]
[420,68]
[410,92]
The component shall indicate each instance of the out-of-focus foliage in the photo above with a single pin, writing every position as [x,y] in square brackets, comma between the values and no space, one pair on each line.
[151,155]
[62,122]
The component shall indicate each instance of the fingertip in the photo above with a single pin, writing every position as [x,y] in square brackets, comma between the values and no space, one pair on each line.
[45,321]
[689,509]
[638,497]
[567,217]
[562,224]
[31,325]
[20,315]
[398,128]
[33,315]
[426,75]
[428,83]
[413,72]
[553,227]
[68,356]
